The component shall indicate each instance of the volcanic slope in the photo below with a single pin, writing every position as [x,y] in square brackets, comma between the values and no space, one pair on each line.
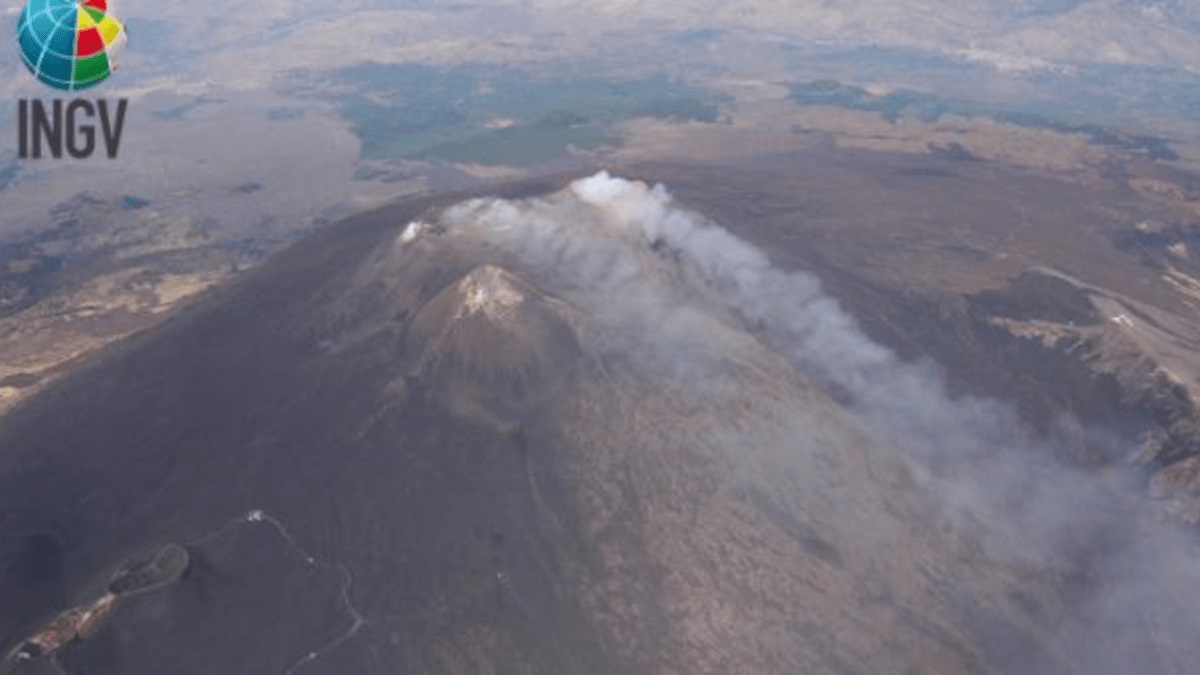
[521,434]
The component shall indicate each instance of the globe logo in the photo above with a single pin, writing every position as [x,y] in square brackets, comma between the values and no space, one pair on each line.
[68,44]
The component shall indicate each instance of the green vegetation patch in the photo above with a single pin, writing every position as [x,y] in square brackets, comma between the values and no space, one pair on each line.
[496,115]
[928,108]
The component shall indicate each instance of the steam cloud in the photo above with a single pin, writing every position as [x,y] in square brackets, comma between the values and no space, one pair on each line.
[630,245]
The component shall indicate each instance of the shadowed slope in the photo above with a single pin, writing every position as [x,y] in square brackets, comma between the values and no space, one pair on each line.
[504,438]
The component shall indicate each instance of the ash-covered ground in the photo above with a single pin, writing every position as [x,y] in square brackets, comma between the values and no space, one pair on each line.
[576,429]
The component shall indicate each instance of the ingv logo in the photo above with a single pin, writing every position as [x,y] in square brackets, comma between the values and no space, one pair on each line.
[68,45]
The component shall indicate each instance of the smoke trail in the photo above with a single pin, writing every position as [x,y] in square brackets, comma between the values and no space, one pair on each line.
[632,257]
[600,236]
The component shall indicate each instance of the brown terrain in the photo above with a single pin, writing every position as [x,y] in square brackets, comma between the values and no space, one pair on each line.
[1065,295]
[531,436]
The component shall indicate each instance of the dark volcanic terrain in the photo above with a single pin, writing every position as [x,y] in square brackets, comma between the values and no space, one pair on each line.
[1077,301]
[582,429]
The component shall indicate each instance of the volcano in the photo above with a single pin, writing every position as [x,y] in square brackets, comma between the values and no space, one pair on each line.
[546,429]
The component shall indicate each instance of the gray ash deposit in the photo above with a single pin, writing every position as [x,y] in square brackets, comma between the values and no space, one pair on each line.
[571,429]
